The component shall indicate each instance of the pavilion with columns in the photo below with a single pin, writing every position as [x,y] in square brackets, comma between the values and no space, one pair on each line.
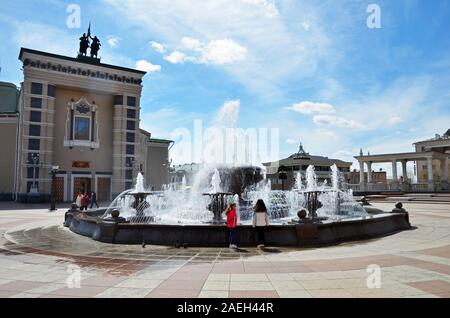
[432,176]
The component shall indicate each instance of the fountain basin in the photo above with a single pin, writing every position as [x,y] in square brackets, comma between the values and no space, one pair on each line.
[210,235]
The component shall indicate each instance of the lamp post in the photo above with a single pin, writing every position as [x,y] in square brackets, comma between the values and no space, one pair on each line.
[282,175]
[34,160]
[53,172]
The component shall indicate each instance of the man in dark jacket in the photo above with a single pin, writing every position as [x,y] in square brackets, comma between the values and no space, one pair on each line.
[94,200]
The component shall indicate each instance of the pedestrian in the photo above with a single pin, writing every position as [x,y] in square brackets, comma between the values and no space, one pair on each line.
[260,222]
[84,201]
[94,200]
[232,224]
[78,200]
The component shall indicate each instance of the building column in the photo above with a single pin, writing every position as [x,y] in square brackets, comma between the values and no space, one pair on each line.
[405,185]
[443,174]
[369,172]
[361,175]
[119,125]
[394,175]
[430,174]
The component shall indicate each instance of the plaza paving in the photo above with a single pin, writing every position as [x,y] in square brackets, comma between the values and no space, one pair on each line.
[36,254]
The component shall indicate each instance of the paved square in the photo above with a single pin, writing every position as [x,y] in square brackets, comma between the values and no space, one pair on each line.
[41,258]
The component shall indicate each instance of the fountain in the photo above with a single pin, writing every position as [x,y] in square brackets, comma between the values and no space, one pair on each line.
[194,215]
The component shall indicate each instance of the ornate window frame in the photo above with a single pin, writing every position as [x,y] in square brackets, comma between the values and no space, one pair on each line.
[82,108]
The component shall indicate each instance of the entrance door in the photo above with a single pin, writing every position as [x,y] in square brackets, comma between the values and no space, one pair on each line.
[103,189]
[59,189]
[81,185]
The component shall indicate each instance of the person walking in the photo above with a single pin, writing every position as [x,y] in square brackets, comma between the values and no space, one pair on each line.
[260,222]
[232,224]
[94,200]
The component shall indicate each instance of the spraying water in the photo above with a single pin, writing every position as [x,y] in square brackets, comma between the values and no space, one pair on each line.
[190,206]
[311,179]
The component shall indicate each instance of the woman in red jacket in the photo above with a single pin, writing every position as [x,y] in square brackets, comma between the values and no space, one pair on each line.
[232,224]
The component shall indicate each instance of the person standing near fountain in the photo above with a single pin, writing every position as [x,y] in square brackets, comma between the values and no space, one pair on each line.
[232,224]
[260,222]
[78,200]
[84,201]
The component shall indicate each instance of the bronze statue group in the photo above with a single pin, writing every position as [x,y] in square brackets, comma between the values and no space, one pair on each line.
[85,44]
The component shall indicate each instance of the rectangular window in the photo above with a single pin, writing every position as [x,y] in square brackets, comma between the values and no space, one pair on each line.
[30,171]
[36,88]
[36,102]
[131,125]
[129,174]
[130,150]
[130,137]
[118,100]
[129,162]
[51,90]
[35,130]
[30,157]
[30,183]
[131,101]
[34,144]
[35,116]
[82,128]
[128,184]
[131,113]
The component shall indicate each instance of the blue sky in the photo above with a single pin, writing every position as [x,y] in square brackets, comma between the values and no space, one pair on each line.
[313,69]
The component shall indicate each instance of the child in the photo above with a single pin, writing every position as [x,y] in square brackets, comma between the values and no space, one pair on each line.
[260,221]
[232,224]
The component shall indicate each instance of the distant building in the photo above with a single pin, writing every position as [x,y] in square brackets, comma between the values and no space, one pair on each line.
[188,170]
[441,168]
[299,162]
[157,168]
[378,177]
[9,125]
[432,166]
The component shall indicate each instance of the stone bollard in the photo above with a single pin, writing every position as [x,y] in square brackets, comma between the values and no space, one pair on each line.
[302,214]
[399,209]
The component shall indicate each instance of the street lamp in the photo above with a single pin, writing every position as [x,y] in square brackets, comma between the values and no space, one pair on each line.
[34,160]
[53,172]
[282,175]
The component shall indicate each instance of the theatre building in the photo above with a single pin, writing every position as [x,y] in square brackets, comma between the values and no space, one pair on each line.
[79,117]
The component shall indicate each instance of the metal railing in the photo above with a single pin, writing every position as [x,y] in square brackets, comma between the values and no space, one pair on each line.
[405,187]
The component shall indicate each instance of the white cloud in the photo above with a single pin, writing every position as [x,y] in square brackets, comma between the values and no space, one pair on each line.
[146,66]
[224,51]
[158,47]
[191,43]
[307,107]
[269,8]
[393,120]
[341,122]
[176,57]
[305,26]
[42,38]
[253,32]
[113,41]
[291,141]
[219,52]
